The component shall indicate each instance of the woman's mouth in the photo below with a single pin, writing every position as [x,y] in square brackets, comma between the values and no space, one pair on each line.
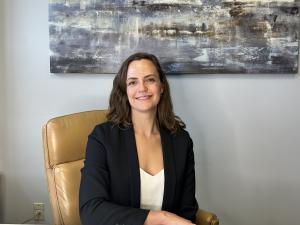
[144,97]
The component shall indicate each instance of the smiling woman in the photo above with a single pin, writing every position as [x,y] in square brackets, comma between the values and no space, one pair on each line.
[139,166]
[143,86]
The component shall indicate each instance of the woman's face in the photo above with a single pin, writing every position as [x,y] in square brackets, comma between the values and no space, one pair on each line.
[143,86]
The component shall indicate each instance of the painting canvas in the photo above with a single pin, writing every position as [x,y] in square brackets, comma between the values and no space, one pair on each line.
[188,36]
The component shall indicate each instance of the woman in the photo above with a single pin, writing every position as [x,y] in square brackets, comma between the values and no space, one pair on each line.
[139,166]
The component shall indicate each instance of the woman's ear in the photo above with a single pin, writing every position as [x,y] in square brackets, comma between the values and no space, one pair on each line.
[161,90]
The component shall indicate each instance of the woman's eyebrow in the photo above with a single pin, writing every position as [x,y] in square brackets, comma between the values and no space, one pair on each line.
[131,78]
[150,75]
[135,78]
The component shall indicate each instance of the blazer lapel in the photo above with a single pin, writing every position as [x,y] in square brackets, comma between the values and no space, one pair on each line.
[133,167]
[134,171]
[169,169]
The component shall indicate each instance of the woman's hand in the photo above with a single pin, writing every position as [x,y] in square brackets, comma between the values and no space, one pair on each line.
[165,218]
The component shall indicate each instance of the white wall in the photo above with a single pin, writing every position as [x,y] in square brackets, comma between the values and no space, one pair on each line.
[245,127]
[1,87]
[1,109]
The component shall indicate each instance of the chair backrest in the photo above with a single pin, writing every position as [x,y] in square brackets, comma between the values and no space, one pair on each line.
[64,140]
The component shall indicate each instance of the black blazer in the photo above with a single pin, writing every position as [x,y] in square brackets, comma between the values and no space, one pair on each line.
[110,178]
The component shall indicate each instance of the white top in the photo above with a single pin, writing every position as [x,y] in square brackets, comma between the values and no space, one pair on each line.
[152,190]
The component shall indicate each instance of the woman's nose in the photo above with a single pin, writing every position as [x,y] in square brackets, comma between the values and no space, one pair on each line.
[142,87]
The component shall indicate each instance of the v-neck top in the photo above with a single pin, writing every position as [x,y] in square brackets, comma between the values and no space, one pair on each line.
[152,190]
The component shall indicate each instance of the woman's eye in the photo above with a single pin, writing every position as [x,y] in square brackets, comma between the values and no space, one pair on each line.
[131,83]
[150,80]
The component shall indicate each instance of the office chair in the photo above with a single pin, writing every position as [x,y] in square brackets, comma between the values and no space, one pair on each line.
[64,140]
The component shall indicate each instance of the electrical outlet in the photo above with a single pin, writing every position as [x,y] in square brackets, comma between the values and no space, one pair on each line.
[38,211]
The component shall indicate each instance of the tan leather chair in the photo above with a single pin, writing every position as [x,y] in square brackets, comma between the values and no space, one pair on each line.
[64,141]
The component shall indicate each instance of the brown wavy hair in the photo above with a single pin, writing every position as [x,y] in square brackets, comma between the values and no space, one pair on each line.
[120,109]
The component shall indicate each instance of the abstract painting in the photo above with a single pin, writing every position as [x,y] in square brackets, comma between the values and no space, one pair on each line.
[188,36]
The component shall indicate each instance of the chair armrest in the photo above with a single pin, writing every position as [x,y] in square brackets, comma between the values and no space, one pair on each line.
[206,218]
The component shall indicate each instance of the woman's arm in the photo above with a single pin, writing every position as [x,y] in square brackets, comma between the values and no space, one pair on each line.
[188,204]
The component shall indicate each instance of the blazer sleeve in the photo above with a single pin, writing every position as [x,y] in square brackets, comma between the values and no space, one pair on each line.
[94,195]
[188,203]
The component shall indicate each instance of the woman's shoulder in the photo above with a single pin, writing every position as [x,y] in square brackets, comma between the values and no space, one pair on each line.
[181,133]
[108,129]
[105,127]
[183,143]
[180,137]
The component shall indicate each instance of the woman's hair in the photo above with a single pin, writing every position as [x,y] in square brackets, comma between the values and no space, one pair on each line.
[120,109]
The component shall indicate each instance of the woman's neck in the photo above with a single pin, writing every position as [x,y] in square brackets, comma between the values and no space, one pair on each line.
[145,124]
